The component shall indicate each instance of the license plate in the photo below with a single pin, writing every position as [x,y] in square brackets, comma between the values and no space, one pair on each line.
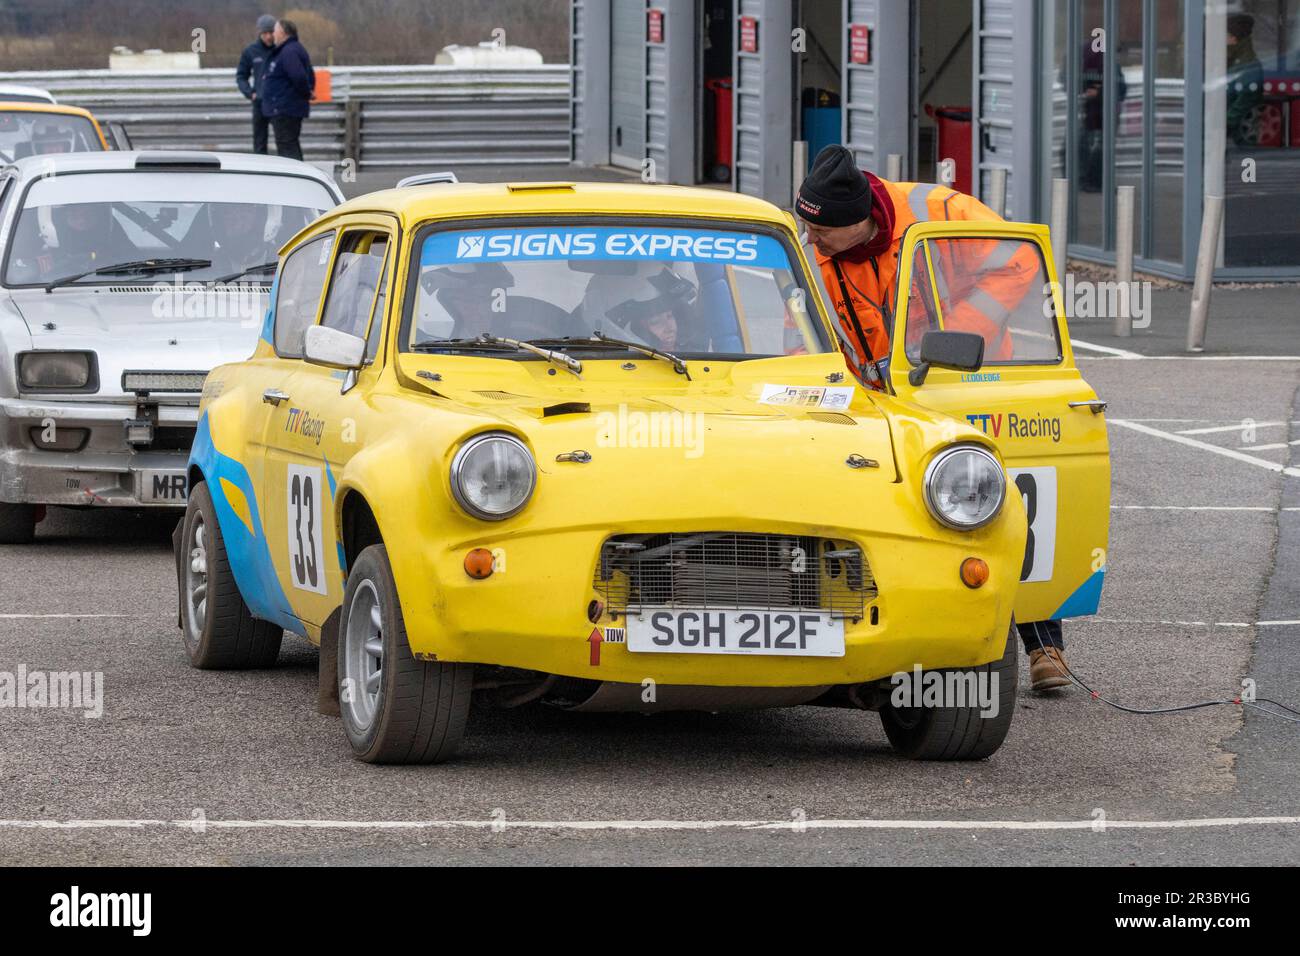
[778,633]
[159,487]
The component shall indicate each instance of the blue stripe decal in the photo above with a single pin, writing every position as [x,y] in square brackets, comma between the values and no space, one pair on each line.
[1085,599]
[268,322]
[249,554]
[329,476]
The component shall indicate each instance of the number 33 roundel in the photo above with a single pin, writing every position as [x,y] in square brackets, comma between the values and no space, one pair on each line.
[1037,487]
[302,496]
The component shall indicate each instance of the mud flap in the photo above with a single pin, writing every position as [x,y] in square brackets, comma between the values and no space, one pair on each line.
[177,537]
[327,677]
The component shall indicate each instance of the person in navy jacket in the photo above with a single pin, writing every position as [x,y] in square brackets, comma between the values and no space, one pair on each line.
[287,89]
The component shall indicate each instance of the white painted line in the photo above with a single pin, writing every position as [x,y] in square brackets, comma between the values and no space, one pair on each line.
[1273,447]
[1205,446]
[1191,358]
[1106,350]
[1240,426]
[1094,619]
[1201,508]
[199,826]
[1194,421]
[37,617]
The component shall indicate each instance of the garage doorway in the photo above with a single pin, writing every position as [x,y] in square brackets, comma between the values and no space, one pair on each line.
[627,94]
[819,74]
[943,32]
[714,31]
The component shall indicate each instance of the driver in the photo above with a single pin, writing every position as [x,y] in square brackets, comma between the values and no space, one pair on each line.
[51,138]
[651,307]
[237,231]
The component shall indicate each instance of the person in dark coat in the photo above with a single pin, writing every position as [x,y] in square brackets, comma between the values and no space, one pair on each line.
[248,76]
[287,89]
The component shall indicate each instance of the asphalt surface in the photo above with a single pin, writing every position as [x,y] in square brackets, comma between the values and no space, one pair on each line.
[238,755]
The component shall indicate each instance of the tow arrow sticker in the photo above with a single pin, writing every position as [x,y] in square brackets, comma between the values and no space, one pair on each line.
[595,638]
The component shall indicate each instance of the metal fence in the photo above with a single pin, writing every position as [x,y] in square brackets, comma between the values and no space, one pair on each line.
[381,117]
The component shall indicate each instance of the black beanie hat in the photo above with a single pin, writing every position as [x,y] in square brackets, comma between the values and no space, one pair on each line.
[835,192]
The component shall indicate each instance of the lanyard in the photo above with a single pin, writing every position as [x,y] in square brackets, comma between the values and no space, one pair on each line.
[868,370]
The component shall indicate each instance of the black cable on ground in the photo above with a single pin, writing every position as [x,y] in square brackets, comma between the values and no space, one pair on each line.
[1069,675]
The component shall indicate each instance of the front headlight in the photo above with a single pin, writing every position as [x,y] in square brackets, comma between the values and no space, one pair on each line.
[492,476]
[965,487]
[57,371]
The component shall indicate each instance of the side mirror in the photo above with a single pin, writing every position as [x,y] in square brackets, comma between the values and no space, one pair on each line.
[333,348]
[963,351]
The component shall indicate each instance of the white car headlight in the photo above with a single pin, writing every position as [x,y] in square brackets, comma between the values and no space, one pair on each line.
[965,487]
[57,371]
[493,475]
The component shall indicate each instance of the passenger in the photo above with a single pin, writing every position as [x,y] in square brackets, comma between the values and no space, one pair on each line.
[84,236]
[474,296]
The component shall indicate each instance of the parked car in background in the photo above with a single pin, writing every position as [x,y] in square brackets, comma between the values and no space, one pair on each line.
[46,129]
[125,277]
[18,93]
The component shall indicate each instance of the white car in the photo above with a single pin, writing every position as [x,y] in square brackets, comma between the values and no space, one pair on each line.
[124,278]
[17,93]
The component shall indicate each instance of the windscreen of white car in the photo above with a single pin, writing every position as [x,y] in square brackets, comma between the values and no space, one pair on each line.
[91,222]
[26,133]
[690,290]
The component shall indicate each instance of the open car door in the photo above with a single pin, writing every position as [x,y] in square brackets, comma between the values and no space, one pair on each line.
[997,279]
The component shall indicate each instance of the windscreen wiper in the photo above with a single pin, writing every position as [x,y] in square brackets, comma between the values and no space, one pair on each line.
[601,340]
[262,268]
[487,340]
[678,363]
[459,345]
[138,267]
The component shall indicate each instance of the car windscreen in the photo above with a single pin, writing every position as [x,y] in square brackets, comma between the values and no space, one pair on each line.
[77,223]
[687,289]
[26,133]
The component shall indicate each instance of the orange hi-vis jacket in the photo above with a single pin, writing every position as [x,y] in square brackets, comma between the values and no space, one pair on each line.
[996,279]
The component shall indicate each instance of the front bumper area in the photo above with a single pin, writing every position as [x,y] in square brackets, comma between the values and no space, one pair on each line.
[533,615]
[106,471]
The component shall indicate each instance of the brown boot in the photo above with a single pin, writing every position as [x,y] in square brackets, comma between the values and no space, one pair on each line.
[1047,669]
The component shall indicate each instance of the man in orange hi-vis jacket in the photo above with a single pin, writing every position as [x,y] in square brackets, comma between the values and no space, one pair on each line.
[856,222]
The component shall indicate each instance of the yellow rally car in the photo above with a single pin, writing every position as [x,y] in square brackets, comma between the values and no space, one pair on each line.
[42,129]
[595,445]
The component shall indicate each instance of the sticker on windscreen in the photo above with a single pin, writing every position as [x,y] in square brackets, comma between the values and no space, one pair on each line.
[618,243]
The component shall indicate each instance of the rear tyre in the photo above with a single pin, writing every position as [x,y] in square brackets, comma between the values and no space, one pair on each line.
[219,630]
[958,733]
[395,709]
[18,523]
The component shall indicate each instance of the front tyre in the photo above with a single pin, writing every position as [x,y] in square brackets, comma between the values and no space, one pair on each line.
[395,709]
[219,630]
[959,733]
